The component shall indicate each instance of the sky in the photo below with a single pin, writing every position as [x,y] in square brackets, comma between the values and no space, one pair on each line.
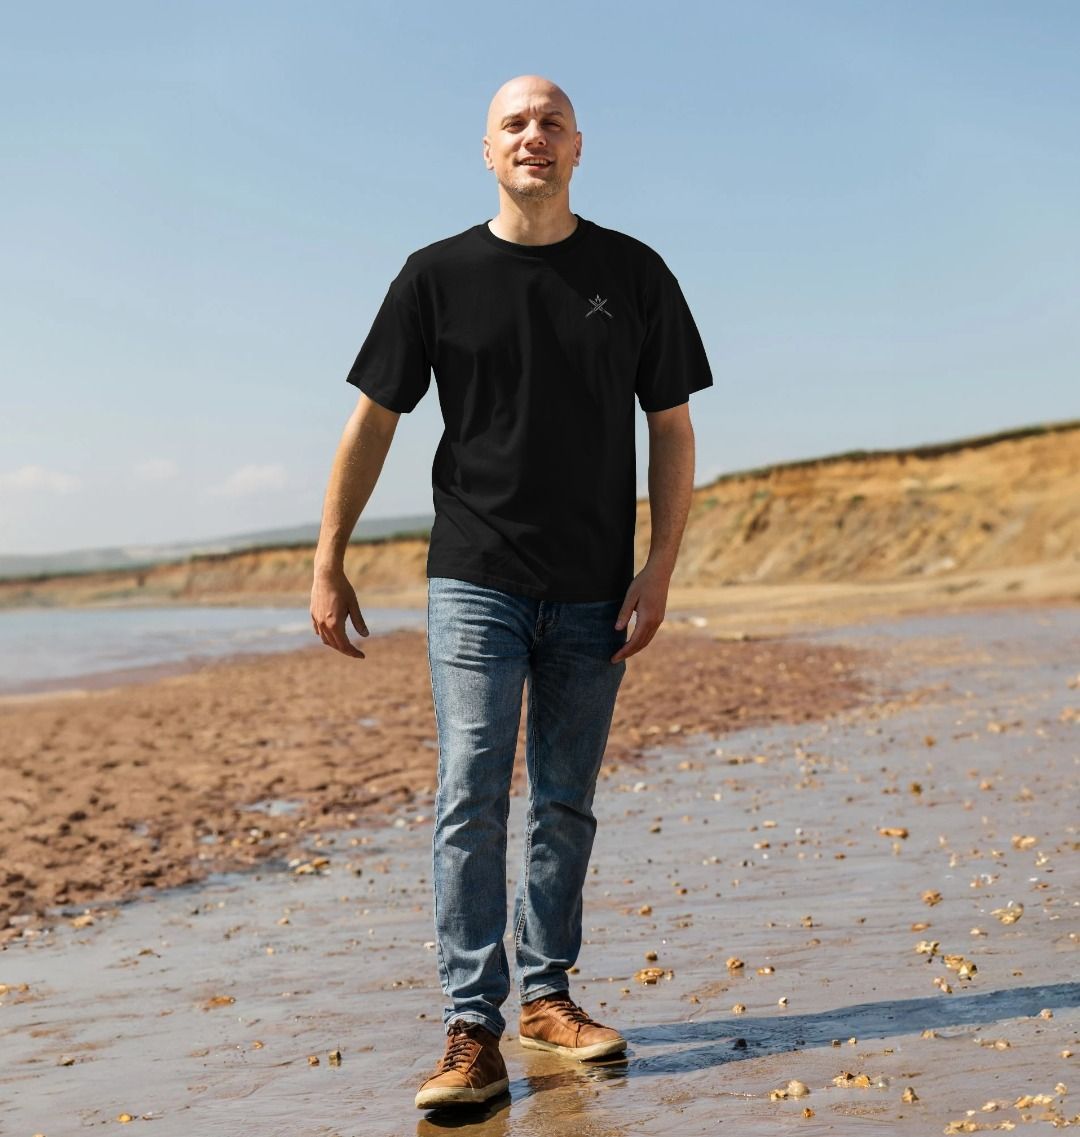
[870,207]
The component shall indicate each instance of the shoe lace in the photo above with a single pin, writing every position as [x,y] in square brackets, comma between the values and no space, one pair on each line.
[459,1047]
[569,1010]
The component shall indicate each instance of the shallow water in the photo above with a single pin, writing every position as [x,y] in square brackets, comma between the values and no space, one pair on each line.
[57,648]
[828,903]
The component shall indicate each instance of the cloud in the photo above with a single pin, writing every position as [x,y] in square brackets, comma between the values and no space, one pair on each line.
[250,480]
[157,469]
[35,479]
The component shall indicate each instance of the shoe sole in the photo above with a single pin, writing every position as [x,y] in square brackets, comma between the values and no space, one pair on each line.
[460,1095]
[597,1050]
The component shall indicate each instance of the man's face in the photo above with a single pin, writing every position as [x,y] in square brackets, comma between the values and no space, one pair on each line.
[532,142]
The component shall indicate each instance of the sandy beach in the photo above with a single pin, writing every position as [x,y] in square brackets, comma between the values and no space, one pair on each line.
[155,784]
[853,852]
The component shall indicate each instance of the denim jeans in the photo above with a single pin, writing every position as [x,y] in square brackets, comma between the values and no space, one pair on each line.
[484,645]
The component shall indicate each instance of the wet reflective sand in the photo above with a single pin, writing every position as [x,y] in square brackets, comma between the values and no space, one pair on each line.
[243,761]
[819,856]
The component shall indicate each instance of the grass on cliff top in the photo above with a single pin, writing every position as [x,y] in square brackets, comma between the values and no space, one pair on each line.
[929,450]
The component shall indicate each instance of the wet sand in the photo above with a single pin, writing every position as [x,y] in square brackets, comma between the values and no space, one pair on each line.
[156,784]
[936,789]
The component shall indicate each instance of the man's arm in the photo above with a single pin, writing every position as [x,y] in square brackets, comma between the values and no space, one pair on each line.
[671,483]
[671,487]
[356,468]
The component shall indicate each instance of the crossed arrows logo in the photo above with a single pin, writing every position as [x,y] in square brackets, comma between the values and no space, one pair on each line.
[598,306]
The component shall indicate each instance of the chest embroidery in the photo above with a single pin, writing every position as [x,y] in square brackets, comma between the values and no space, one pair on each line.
[598,306]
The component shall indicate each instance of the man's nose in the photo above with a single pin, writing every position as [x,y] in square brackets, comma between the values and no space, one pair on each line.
[534,132]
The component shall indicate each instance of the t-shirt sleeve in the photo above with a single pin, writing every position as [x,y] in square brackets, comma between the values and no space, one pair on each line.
[673,363]
[392,367]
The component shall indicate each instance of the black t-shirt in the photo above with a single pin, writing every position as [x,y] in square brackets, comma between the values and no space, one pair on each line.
[538,353]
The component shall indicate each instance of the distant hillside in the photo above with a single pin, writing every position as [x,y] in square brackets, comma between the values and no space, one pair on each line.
[975,504]
[145,556]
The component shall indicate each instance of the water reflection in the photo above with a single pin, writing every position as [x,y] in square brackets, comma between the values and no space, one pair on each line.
[493,1116]
[551,1091]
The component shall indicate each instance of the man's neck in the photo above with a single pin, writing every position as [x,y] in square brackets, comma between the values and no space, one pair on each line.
[533,227]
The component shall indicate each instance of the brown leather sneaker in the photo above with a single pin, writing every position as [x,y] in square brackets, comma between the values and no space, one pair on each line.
[471,1070]
[557,1023]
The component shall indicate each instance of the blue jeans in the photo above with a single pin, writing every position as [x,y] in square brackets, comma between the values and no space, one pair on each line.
[483,645]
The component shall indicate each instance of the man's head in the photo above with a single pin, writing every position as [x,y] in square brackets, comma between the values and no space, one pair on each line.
[531,119]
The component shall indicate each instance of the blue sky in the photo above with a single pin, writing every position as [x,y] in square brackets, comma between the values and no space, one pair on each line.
[871,208]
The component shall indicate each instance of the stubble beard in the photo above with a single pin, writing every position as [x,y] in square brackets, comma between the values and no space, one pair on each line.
[534,188]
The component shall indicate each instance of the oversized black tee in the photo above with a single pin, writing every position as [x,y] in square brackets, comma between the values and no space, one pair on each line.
[539,352]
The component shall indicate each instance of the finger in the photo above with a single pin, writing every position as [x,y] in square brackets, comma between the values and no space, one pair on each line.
[628,648]
[358,618]
[643,633]
[623,618]
[340,639]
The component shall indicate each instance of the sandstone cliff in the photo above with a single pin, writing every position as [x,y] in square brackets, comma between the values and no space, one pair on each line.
[1007,501]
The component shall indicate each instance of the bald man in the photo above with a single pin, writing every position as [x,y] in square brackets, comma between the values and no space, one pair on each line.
[542,329]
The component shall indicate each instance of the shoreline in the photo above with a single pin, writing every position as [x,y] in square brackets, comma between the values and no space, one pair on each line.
[738,612]
[161,783]
[162,779]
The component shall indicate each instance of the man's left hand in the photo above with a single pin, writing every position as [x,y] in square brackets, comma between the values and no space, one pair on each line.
[647,595]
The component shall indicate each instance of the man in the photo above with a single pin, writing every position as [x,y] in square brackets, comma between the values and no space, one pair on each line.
[542,329]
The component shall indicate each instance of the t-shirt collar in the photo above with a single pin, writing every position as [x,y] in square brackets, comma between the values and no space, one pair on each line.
[536,252]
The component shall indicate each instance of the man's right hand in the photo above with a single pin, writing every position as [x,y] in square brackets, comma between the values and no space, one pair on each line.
[332,600]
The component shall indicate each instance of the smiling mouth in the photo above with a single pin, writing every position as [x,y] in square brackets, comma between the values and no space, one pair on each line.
[540,165]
